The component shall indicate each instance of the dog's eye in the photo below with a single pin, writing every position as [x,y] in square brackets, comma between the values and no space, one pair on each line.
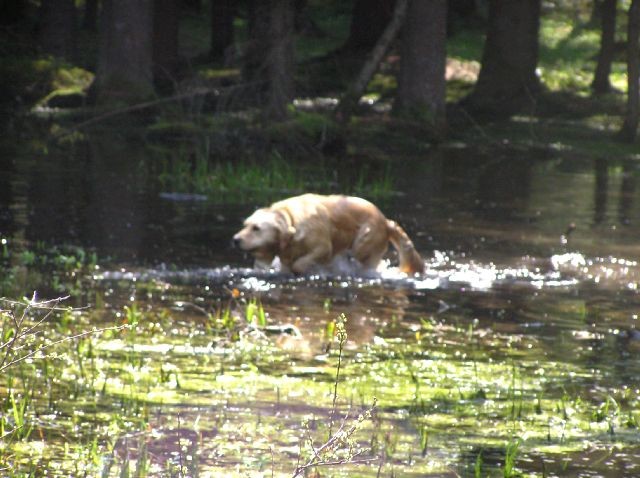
[255,228]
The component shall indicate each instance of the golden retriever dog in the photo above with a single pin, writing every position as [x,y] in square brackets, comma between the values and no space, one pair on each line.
[309,231]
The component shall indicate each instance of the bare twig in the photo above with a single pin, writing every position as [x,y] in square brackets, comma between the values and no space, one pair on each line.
[335,441]
[341,335]
[20,335]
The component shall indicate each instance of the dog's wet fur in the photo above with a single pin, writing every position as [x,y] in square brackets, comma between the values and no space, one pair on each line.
[313,231]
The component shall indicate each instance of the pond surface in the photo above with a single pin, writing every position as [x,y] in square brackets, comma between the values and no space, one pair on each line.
[519,344]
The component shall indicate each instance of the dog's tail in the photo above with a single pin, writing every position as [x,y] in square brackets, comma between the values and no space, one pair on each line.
[410,261]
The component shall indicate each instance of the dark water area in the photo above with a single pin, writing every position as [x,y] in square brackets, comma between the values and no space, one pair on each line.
[484,205]
[532,254]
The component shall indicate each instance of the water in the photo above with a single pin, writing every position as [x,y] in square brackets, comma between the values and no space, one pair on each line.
[523,325]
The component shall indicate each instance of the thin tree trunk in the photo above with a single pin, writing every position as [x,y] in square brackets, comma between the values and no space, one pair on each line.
[194,5]
[350,99]
[601,83]
[630,126]
[368,21]
[90,16]
[12,11]
[421,80]
[222,15]
[58,28]
[269,59]
[124,65]
[280,62]
[165,41]
[596,12]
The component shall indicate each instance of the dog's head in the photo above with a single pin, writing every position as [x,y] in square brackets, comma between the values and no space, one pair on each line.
[265,234]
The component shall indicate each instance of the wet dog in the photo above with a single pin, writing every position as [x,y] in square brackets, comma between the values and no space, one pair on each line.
[309,231]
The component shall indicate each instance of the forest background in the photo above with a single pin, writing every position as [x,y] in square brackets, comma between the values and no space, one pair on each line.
[289,75]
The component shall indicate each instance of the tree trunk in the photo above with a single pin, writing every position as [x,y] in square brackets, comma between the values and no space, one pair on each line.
[125,57]
[222,15]
[508,80]
[350,99]
[165,41]
[630,126]
[90,17]
[280,59]
[57,33]
[601,82]
[193,5]
[596,12]
[12,11]
[269,59]
[421,80]
[303,23]
[368,21]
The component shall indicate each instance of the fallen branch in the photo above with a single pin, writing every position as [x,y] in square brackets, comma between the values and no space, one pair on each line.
[147,104]
[350,99]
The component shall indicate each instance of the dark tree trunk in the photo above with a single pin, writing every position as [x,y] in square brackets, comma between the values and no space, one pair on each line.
[165,41]
[368,21]
[258,32]
[269,58]
[12,11]
[124,63]
[57,30]
[601,82]
[90,17]
[280,59]
[222,14]
[595,18]
[508,81]
[193,5]
[630,126]
[303,22]
[421,80]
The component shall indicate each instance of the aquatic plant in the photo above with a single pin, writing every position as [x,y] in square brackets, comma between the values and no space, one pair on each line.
[195,170]
[56,268]
[511,453]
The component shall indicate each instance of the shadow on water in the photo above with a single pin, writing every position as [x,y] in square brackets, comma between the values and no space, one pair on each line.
[530,300]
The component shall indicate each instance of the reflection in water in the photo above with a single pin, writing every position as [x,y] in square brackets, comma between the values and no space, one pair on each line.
[627,192]
[626,195]
[601,193]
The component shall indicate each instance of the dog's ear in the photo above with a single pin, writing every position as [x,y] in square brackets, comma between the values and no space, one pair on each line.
[285,229]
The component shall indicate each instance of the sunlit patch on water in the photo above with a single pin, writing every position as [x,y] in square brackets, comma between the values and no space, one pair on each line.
[442,271]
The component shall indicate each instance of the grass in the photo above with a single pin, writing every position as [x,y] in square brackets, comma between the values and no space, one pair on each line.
[244,180]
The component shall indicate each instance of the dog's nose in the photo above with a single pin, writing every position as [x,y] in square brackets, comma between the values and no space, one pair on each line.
[235,241]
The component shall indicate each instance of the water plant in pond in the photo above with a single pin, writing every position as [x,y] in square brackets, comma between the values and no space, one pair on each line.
[194,169]
[511,453]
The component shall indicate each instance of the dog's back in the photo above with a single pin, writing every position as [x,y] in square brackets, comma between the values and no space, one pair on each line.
[317,228]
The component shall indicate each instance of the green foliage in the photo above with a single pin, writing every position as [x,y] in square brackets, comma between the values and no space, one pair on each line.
[60,268]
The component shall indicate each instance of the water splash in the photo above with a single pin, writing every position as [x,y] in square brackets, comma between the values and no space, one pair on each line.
[443,270]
